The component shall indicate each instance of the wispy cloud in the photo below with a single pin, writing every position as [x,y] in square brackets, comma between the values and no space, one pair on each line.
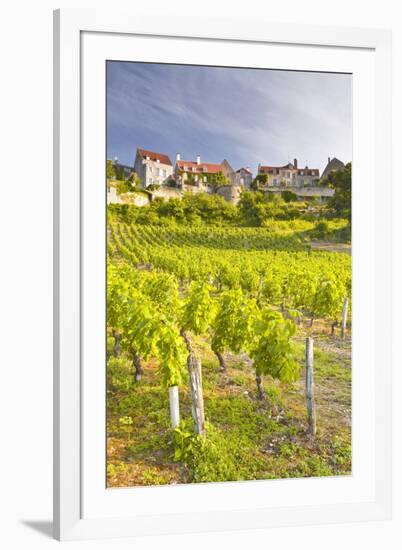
[245,115]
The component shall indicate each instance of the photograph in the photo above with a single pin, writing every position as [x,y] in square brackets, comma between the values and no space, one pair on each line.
[228,197]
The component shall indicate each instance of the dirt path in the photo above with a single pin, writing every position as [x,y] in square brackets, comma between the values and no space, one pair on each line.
[332,247]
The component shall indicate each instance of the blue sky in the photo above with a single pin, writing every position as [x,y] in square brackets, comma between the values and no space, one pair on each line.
[247,116]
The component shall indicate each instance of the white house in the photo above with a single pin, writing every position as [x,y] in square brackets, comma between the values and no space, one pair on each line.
[290,175]
[152,168]
[244,176]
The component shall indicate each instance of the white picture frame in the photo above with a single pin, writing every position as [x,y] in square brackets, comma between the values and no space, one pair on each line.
[83,507]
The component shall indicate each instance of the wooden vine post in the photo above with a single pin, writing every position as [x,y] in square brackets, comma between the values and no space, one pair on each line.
[260,391]
[344,317]
[222,365]
[311,416]
[116,345]
[195,376]
[174,406]
[138,370]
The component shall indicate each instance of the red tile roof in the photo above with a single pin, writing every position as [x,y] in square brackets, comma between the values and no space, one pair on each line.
[267,169]
[164,159]
[188,165]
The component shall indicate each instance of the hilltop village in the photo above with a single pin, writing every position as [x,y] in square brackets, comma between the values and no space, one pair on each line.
[153,175]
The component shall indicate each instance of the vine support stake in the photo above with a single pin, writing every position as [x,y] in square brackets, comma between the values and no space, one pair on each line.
[195,376]
[311,416]
[194,368]
[138,370]
[344,317]
[174,406]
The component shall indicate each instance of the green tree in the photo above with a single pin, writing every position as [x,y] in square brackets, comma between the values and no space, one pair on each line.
[259,181]
[289,196]
[217,180]
[153,187]
[341,182]
[130,185]
[110,170]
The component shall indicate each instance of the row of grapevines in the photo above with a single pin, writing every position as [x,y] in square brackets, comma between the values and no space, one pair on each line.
[313,282]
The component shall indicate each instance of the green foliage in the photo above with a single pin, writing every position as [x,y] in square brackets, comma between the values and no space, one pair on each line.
[258,208]
[184,441]
[126,421]
[110,170]
[341,182]
[119,378]
[246,439]
[255,209]
[198,310]
[206,279]
[215,181]
[328,298]
[259,180]
[289,196]
[153,187]
[233,325]
[127,186]
[321,229]
[209,459]
[163,290]
[172,354]
[273,267]
[271,348]
[144,327]
[210,209]
[171,183]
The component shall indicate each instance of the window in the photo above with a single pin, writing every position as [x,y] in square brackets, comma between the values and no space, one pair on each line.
[205,179]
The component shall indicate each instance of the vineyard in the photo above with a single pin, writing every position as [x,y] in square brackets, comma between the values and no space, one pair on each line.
[206,355]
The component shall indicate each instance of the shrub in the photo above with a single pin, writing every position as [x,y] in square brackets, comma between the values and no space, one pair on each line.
[209,458]
[321,229]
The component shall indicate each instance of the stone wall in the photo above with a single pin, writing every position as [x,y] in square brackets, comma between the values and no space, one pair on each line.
[113,197]
[138,199]
[316,192]
[231,193]
[166,193]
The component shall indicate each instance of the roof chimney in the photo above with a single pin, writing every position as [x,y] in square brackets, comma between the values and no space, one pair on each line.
[177,156]
[329,160]
[198,159]
[295,163]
